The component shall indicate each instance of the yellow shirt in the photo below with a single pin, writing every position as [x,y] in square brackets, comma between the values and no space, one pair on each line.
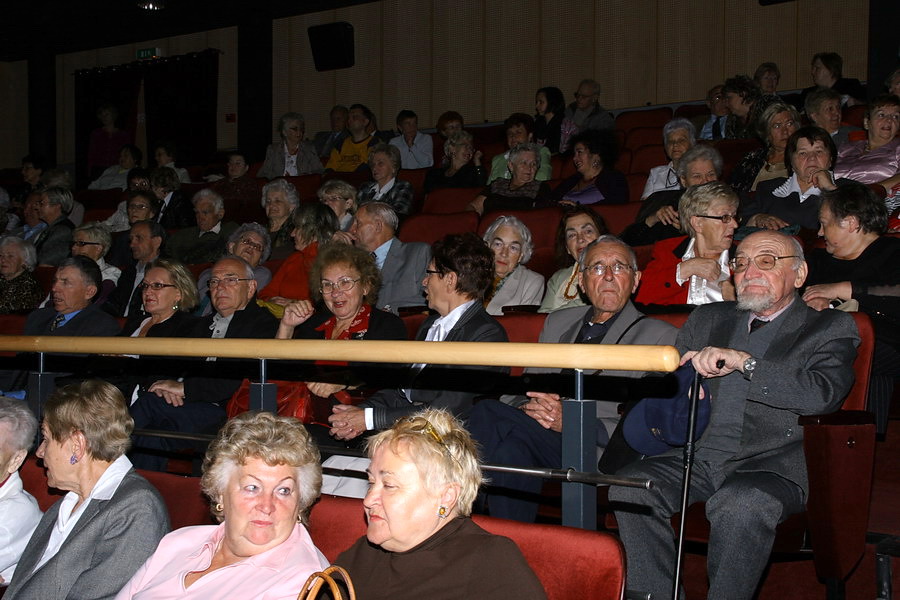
[351,155]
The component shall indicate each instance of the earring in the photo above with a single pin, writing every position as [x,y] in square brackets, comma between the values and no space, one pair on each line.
[219,507]
[73,459]
[300,518]
[442,512]
[175,306]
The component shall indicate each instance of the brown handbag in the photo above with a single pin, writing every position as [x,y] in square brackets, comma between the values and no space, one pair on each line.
[314,584]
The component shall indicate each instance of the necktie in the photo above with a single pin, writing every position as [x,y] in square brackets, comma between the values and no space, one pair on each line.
[717,129]
[56,321]
[756,324]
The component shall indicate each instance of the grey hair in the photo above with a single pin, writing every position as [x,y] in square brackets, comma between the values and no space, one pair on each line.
[29,254]
[392,152]
[524,233]
[675,125]
[608,238]
[338,186]
[700,152]
[287,118]
[384,213]
[290,192]
[697,199]
[457,138]
[259,230]
[526,147]
[60,195]
[209,194]
[21,424]
[591,82]
[56,178]
[97,232]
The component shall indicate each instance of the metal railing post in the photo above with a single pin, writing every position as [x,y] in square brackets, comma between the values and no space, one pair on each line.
[263,395]
[40,386]
[579,452]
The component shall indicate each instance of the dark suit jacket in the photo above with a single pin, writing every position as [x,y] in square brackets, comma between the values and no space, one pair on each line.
[807,370]
[119,298]
[54,243]
[444,386]
[89,322]
[402,275]
[191,248]
[111,540]
[178,214]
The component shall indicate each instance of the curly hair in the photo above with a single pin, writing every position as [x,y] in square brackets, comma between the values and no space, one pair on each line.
[352,256]
[601,142]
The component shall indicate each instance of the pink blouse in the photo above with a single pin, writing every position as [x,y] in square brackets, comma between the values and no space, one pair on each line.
[275,574]
[853,162]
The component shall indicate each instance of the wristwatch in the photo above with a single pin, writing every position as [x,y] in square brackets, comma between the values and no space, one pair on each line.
[749,367]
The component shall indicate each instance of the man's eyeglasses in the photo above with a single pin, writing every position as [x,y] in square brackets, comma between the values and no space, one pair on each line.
[763,262]
[226,281]
[155,286]
[344,284]
[83,244]
[599,269]
[252,244]
[724,218]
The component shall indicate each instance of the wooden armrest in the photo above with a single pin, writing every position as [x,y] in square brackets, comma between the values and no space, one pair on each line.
[841,417]
[520,308]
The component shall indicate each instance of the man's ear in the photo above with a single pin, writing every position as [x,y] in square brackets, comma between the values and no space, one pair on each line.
[802,271]
[637,281]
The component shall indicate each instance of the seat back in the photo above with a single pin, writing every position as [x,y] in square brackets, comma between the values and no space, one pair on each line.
[618,216]
[430,228]
[542,222]
[522,327]
[654,117]
[307,186]
[449,200]
[648,156]
[643,136]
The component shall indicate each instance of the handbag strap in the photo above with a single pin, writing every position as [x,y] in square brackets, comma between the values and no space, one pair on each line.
[317,580]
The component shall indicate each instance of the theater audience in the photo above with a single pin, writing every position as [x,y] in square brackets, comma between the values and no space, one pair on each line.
[462,165]
[456,281]
[175,211]
[415,147]
[168,294]
[586,111]
[580,226]
[596,180]
[19,510]
[261,474]
[767,76]
[712,126]
[52,244]
[106,141]
[775,125]
[510,241]
[858,256]
[679,136]
[875,159]
[550,110]
[204,242]
[402,264]
[340,197]
[521,190]
[280,199]
[314,224]
[31,224]
[694,269]
[827,70]
[823,107]
[138,180]
[353,153]
[116,176]
[420,541]
[449,123]
[794,201]
[742,96]
[145,239]
[19,290]
[93,240]
[519,129]
[237,185]
[166,154]
[326,141]
[892,83]
[292,155]
[91,541]
[384,163]
[141,205]
[250,242]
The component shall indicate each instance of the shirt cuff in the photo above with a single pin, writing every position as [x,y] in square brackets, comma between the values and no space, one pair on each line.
[678,278]
[370,418]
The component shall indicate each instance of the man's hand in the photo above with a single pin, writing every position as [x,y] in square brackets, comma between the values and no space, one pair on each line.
[347,422]
[707,361]
[765,221]
[169,390]
[544,408]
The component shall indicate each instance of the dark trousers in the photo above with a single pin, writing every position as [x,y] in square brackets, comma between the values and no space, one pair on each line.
[743,510]
[152,412]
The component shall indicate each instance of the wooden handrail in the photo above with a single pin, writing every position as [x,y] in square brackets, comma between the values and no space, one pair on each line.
[561,356]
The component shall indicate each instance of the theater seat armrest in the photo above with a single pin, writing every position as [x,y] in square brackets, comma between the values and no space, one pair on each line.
[841,417]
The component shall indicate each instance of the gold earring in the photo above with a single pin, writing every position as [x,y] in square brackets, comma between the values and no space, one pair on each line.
[219,507]
[442,512]
[299,518]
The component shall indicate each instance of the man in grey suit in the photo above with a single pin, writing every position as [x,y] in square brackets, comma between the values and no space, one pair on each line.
[526,430]
[402,264]
[749,465]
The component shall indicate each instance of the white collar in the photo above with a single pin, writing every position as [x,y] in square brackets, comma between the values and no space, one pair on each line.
[217,228]
[450,320]
[791,186]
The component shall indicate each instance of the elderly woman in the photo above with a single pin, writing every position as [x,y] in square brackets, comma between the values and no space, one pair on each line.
[90,543]
[314,224]
[384,162]
[449,123]
[19,511]
[742,95]
[94,240]
[521,190]
[510,241]
[165,153]
[679,136]
[767,76]
[116,176]
[877,158]
[694,269]
[251,242]
[857,257]
[19,290]
[794,201]
[597,181]
[169,295]
[262,473]
[579,227]
[827,70]
[280,199]
[292,155]
[421,542]
[775,126]
[550,109]
[462,165]
[340,197]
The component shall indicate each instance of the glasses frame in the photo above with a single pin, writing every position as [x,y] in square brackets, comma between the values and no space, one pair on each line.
[226,281]
[336,285]
[81,244]
[733,263]
[599,269]
[155,286]
[726,219]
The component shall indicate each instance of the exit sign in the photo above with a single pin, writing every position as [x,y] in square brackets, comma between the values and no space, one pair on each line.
[147,53]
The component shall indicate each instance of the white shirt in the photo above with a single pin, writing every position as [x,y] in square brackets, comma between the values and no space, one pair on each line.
[67,518]
[381,253]
[19,516]
[661,178]
[380,192]
[702,291]
[792,185]
[290,162]
[418,156]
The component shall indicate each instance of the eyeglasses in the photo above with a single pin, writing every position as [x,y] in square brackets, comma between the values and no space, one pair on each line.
[780,124]
[432,272]
[763,262]
[726,219]
[344,284]
[155,286]
[599,269]
[226,281]
[251,244]
[83,244]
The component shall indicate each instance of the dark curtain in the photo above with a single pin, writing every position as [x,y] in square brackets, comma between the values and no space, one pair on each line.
[119,86]
[180,102]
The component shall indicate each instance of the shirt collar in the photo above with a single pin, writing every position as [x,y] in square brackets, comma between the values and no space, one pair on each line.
[380,192]
[381,253]
[753,316]
[791,186]
[449,321]
[217,228]
[273,558]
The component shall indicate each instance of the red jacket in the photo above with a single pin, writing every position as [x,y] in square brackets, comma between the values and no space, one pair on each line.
[658,284]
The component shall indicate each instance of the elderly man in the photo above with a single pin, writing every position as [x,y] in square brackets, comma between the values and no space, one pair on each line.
[205,241]
[712,126]
[526,430]
[52,244]
[586,111]
[519,129]
[196,402]
[823,107]
[145,238]
[326,141]
[237,185]
[402,264]
[767,359]
[353,153]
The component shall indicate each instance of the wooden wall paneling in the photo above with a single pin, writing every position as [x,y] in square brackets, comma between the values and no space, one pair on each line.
[407,57]
[567,46]
[14,108]
[691,48]
[227,97]
[625,60]
[66,65]
[458,61]
[311,92]
[755,34]
[362,82]
[832,26]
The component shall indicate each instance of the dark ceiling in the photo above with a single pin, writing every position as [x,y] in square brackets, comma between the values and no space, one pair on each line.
[40,27]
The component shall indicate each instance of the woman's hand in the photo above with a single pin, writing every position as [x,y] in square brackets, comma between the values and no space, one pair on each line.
[322,389]
[665,215]
[295,313]
[476,158]
[828,292]
[728,293]
[765,221]
[477,204]
[704,268]
[544,408]
[347,422]
[169,390]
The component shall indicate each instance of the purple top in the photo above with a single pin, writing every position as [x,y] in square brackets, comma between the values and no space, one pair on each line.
[853,162]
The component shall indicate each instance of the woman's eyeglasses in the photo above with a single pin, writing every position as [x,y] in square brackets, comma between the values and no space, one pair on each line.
[344,284]
[83,244]
[155,286]
[724,218]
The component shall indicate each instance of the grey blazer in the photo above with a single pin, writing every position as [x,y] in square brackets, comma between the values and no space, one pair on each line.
[807,370]
[523,286]
[402,275]
[111,540]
